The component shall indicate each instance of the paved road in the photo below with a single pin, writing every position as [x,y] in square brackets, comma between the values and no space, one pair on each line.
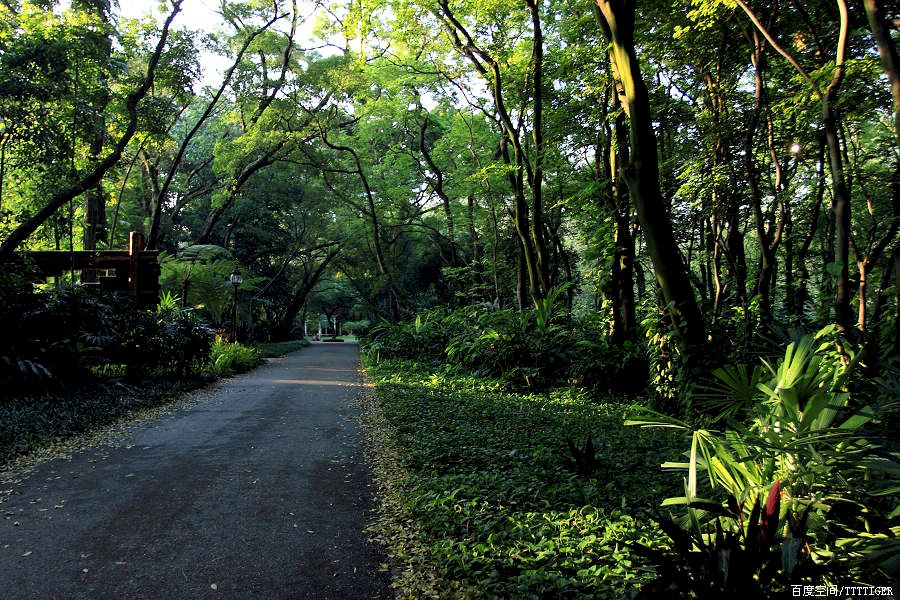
[258,491]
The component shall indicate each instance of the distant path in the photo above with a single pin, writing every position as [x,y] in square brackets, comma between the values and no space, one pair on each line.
[257,492]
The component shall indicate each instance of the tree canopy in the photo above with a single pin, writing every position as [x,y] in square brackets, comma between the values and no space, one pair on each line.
[732,164]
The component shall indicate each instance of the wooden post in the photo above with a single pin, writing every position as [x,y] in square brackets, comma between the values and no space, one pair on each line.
[135,246]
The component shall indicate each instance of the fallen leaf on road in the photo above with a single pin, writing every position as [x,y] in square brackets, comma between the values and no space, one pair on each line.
[213,586]
[27,553]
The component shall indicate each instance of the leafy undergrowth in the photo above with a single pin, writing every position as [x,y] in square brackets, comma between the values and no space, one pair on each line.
[29,423]
[476,499]
[276,349]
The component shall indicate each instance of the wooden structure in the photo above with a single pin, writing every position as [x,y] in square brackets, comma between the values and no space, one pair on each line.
[134,271]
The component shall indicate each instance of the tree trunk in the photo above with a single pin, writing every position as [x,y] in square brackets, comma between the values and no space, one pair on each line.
[624,325]
[521,276]
[831,127]
[212,218]
[887,51]
[766,253]
[537,170]
[618,24]
[437,184]
[95,202]
[530,230]
[474,254]
[841,208]
[155,235]
[896,258]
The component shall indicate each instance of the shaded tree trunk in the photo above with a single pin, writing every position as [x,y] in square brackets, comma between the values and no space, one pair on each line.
[216,213]
[617,20]
[529,223]
[831,127]
[95,202]
[621,282]
[802,295]
[155,235]
[437,184]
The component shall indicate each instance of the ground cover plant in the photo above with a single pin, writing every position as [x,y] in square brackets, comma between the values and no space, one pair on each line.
[789,473]
[484,492]
[28,423]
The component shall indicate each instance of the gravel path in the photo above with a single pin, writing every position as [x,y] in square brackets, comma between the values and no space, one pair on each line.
[258,491]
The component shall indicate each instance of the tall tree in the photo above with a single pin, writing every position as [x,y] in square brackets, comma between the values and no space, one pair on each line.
[617,19]
[94,175]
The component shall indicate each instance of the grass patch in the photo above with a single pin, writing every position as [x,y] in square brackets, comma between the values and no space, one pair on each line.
[477,500]
[276,349]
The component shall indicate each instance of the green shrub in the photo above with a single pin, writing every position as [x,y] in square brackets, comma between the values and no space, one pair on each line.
[51,339]
[422,339]
[603,366]
[530,349]
[228,358]
[521,347]
[168,341]
[65,337]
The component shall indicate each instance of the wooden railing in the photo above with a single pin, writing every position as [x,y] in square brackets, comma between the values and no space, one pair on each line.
[134,271]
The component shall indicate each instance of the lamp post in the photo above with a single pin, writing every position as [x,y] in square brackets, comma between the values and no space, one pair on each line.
[235,279]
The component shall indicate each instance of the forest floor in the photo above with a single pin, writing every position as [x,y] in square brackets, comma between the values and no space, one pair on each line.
[256,489]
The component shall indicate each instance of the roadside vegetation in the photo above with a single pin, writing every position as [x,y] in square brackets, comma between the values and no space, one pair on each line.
[72,360]
[503,482]
[507,494]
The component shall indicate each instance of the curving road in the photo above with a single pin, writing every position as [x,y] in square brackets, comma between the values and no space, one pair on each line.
[258,491]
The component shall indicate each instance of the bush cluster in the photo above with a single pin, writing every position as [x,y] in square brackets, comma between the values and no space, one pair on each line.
[529,349]
[71,335]
[230,358]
